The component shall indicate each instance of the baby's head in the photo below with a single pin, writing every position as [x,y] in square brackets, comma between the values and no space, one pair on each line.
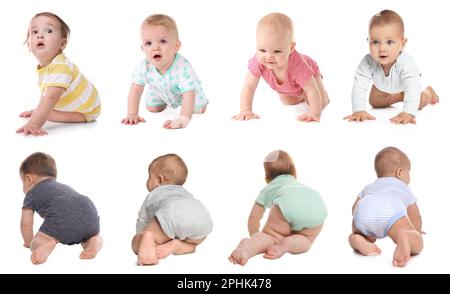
[278,163]
[160,41]
[386,37]
[168,169]
[47,35]
[275,40]
[392,162]
[35,168]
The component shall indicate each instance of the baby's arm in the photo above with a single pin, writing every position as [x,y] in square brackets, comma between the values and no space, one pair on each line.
[187,109]
[415,217]
[255,217]
[134,97]
[26,226]
[42,112]
[247,94]
[314,100]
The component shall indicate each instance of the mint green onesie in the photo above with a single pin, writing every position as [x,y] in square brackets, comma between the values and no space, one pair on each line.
[301,206]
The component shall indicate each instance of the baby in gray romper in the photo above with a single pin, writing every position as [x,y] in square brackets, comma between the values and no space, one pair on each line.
[69,217]
[170,220]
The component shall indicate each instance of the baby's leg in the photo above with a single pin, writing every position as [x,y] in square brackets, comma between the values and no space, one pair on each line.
[66,117]
[144,243]
[249,247]
[291,100]
[409,241]
[323,93]
[41,246]
[428,96]
[177,247]
[362,244]
[156,108]
[380,99]
[295,244]
[91,247]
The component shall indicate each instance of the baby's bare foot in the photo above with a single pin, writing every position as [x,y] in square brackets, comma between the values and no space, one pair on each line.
[240,255]
[402,253]
[364,247]
[434,98]
[164,250]
[147,253]
[91,247]
[40,254]
[428,96]
[275,252]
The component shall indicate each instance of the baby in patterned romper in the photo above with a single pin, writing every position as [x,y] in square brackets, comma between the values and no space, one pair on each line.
[294,76]
[387,207]
[172,80]
[67,95]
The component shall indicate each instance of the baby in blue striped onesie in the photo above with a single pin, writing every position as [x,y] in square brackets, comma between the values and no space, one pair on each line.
[387,207]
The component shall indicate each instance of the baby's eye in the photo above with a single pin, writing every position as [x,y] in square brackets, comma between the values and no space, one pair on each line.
[262,50]
[163,41]
[390,42]
[277,51]
[148,43]
[34,32]
[49,31]
[374,42]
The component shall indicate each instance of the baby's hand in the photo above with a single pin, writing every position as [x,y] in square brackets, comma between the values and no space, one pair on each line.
[27,114]
[26,245]
[32,129]
[359,116]
[246,115]
[178,123]
[403,118]
[132,119]
[309,117]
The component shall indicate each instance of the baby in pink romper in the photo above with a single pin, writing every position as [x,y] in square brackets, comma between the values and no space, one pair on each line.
[296,77]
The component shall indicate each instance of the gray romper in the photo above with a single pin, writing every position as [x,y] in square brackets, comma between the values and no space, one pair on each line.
[179,214]
[69,217]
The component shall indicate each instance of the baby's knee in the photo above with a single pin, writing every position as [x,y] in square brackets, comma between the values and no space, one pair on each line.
[156,108]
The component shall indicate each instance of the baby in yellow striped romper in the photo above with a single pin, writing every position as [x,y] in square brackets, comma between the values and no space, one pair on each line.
[67,95]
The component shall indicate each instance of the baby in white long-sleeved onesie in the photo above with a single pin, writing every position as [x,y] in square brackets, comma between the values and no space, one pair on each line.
[394,74]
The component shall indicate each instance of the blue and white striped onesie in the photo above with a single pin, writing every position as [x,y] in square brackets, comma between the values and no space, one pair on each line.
[382,204]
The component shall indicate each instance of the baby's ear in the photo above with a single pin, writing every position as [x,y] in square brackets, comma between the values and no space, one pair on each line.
[177,47]
[63,44]
[398,172]
[160,179]
[292,47]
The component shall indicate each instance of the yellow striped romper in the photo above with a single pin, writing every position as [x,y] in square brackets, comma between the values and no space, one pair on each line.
[80,95]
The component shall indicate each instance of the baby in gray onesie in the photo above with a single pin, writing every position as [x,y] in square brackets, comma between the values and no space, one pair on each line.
[69,217]
[170,220]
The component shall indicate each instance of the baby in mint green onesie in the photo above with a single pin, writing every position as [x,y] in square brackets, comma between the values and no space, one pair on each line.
[296,217]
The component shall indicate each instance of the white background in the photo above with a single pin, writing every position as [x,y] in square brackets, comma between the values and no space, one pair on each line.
[108,161]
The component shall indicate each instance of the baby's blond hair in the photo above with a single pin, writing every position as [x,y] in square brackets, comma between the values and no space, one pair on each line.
[279,23]
[162,20]
[171,167]
[385,17]
[389,160]
[278,163]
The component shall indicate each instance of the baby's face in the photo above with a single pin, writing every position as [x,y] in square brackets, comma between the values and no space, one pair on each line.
[44,39]
[26,183]
[386,43]
[404,175]
[159,45]
[273,49]
[152,182]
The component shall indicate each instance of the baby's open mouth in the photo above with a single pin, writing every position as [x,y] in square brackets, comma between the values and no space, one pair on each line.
[40,45]
[156,56]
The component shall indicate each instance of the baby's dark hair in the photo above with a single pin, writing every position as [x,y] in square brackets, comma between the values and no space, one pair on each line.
[171,167]
[389,160]
[39,164]
[278,163]
[65,30]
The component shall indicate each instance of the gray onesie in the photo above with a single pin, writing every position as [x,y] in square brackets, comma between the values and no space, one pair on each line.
[69,217]
[179,214]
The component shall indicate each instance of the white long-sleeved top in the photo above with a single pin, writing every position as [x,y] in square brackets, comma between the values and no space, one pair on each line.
[404,76]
